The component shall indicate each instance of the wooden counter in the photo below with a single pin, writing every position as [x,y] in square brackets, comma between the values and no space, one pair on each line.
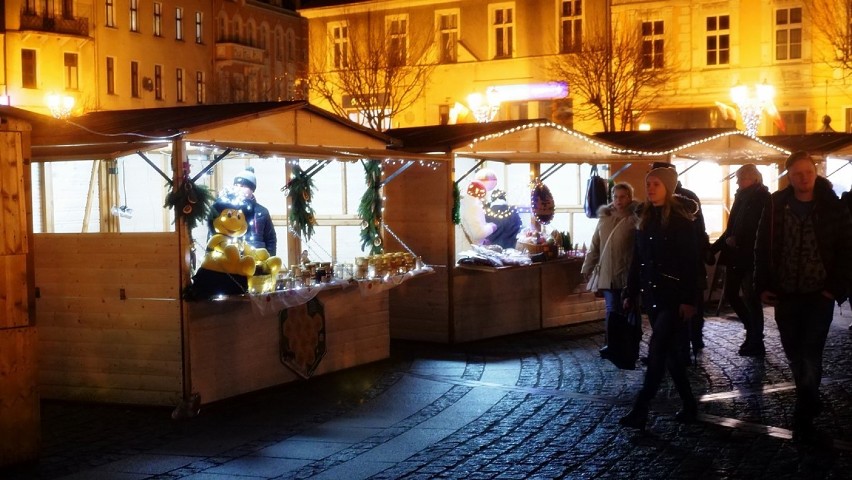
[234,351]
[485,302]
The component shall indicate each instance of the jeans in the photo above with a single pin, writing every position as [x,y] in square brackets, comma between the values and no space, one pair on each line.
[664,354]
[803,323]
[748,306]
[612,300]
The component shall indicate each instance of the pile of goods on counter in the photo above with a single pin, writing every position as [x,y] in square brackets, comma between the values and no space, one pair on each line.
[378,266]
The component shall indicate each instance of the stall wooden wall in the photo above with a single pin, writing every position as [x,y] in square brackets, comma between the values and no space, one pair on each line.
[108,312]
[235,351]
[564,299]
[418,212]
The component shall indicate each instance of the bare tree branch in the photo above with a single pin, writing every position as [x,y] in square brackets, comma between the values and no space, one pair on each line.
[832,18]
[611,79]
[382,75]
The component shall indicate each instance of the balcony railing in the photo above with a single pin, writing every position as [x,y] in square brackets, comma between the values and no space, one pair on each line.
[55,24]
[239,53]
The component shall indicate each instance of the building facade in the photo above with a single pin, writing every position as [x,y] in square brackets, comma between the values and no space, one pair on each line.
[493,58]
[127,54]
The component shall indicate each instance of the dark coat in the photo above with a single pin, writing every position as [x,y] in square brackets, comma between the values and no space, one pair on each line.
[833,226]
[508,224]
[664,270]
[742,225]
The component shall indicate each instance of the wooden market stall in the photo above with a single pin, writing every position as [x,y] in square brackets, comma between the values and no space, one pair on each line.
[114,323]
[462,304]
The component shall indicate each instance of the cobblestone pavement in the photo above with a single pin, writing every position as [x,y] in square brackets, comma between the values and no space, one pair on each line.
[535,405]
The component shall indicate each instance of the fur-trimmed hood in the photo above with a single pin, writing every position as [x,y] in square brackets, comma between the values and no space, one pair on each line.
[608,210]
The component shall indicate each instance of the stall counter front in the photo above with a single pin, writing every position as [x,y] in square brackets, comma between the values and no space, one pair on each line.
[464,304]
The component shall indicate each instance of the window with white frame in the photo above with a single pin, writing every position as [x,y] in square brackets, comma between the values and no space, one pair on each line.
[571,23]
[339,37]
[199,28]
[396,31]
[134,15]
[652,44]
[72,81]
[178,23]
[718,40]
[109,16]
[788,33]
[448,35]
[502,29]
[158,19]
[179,90]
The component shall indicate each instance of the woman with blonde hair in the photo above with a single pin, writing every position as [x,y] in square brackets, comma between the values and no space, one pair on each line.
[608,262]
[664,274]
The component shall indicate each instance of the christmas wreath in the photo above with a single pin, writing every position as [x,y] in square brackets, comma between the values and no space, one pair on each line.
[370,208]
[190,201]
[300,190]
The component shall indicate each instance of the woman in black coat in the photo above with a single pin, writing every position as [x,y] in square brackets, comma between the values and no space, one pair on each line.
[664,274]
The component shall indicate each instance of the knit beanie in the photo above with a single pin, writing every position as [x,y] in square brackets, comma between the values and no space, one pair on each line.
[247,178]
[666,175]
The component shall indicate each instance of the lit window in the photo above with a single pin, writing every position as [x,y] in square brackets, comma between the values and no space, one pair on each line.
[28,68]
[339,34]
[396,29]
[200,88]
[158,82]
[110,75]
[652,44]
[71,72]
[503,29]
[448,36]
[718,40]
[788,33]
[179,85]
[110,13]
[134,15]
[199,30]
[572,26]
[178,23]
[158,19]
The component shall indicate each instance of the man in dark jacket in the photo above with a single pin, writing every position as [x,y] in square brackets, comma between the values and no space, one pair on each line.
[261,231]
[737,254]
[803,265]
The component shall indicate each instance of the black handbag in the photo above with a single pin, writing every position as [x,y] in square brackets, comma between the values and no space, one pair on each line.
[624,334]
[596,193]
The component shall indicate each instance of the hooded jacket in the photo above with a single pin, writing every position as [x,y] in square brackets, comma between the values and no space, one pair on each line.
[615,261]
[664,269]
[833,231]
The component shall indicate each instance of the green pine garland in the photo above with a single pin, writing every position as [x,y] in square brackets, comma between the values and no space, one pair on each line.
[191,201]
[456,204]
[370,208]
[300,190]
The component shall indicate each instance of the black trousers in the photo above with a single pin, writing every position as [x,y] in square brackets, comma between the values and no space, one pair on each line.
[664,353]
[748,307]
[803,322]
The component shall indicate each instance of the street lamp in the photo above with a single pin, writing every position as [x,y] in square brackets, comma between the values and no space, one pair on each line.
[484,108]
[60,106]
[752,104]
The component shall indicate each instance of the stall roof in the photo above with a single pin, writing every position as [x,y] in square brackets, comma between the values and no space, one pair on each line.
[719,145]
[273,125]
[822,144]
[506,141]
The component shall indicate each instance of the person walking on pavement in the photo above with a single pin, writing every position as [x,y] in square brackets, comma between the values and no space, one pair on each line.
[663,272]
[611,253]
[803,265]
[737,254]
[694,335]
